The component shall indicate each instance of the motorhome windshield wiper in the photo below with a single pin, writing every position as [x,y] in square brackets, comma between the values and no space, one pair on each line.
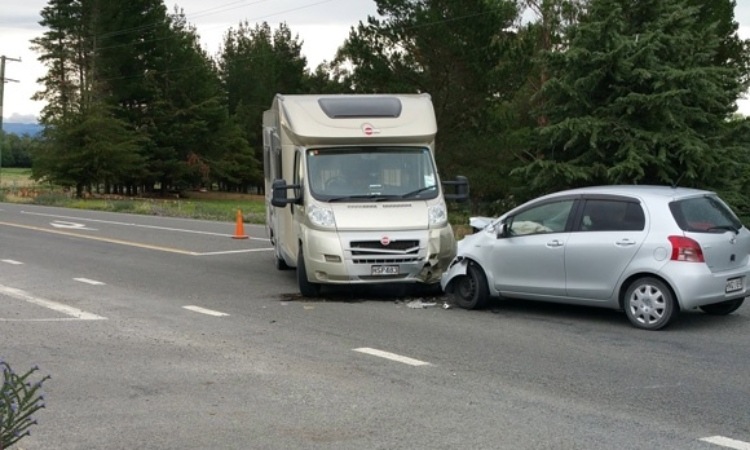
[418,191]
[372,197]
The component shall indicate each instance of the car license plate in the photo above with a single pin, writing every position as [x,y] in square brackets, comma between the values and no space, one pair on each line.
[385,270]
[733,285]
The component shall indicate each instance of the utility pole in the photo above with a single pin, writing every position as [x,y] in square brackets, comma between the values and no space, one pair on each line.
[3,80]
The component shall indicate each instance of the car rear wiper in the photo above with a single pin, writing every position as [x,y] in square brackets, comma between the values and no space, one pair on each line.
[731,228]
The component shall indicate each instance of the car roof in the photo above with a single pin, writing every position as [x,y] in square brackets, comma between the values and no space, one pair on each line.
[638,190]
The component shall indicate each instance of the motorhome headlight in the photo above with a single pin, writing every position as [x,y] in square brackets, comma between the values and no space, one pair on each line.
[437,215]
[322,217]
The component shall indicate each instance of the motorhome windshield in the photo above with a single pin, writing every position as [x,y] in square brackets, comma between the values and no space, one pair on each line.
[371,173]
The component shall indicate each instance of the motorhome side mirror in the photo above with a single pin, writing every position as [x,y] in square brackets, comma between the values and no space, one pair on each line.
[461,193]
[279,196]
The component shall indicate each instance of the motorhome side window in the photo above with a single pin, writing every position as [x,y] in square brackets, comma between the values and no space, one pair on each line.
[371,173]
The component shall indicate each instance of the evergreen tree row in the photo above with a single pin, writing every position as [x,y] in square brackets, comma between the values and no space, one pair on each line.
[531,95]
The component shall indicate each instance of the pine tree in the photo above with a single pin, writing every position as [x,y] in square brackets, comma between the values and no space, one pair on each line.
[638,97]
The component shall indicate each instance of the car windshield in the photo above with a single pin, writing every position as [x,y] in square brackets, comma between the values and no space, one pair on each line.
[371,173]
[704,214]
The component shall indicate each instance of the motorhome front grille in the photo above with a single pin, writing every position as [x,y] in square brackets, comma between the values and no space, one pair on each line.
[377,247]
[389,260]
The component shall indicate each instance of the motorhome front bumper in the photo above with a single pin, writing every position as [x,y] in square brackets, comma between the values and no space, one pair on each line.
[377,257]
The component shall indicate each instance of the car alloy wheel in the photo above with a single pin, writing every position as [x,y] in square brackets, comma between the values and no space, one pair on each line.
[649,304]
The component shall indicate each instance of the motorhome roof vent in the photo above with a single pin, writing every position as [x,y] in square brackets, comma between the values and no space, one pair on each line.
[360,107]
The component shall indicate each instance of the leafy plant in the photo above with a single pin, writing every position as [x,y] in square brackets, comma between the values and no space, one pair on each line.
[19,399]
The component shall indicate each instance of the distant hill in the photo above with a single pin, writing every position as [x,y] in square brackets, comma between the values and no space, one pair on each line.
[31,129]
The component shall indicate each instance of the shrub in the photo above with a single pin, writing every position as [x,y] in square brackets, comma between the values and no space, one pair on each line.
[19,399]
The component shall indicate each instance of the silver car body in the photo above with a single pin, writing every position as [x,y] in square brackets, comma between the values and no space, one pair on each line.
[568,260]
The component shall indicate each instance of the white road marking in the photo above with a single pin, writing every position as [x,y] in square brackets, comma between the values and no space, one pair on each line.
[65,319]
[209,312]
[101,239]
[133,244]
[49,304]
[70,225]
[229,252]
[727,442]
[137,225]
[392,356]
[10,261]
[88,281]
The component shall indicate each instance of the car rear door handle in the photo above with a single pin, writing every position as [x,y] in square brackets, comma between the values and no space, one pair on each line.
[625,243]
[554,244]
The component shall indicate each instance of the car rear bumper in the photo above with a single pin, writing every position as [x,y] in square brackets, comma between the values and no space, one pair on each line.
[695,285]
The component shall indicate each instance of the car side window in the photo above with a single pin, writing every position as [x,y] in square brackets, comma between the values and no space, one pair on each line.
[612,215]
[546,218]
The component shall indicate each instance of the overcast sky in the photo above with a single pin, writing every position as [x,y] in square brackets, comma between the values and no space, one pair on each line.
[322,25]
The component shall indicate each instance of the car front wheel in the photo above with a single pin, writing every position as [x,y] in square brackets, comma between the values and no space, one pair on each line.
[649,304]
[470,291]
[723,308]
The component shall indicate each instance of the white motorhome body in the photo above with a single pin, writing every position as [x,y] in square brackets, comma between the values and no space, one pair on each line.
[352,190]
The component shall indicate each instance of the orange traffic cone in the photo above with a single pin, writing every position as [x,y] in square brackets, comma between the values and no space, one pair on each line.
[239,229]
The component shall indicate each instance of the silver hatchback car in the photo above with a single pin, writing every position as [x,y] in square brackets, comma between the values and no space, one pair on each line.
[649,250]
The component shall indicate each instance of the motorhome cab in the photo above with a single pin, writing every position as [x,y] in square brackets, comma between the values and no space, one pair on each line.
[352,190]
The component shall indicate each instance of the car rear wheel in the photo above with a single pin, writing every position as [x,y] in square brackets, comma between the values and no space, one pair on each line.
[470,291]
[723,308]
[306,288]
[649,304]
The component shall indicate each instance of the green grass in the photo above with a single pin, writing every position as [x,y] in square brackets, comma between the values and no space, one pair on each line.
[253,211]
[11,176]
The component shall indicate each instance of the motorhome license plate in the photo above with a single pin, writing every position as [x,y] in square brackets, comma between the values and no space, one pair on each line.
[733,285]
[385,270]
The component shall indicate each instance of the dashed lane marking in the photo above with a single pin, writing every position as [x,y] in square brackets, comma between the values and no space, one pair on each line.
[392,356]
[91,282]
[209,312]
[727,442]
[13,262]
[49,304]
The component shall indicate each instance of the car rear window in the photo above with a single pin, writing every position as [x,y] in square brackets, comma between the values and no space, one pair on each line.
[705,214]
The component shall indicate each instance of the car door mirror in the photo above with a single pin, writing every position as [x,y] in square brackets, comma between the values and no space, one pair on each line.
[502,231]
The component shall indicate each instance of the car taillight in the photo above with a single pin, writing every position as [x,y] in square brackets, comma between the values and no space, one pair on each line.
[685,249]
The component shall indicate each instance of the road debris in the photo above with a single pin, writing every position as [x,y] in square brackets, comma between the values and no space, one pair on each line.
[419,304]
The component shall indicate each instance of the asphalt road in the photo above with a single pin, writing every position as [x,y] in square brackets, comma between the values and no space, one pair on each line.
[165,333]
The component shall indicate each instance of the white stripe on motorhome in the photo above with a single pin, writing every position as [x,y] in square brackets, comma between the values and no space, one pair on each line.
[87,281]
[10,261]
[392,356]
[49,304]
[727,442]
[210,312]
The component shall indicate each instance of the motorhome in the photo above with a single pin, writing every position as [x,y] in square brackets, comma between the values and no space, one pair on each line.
[353,194]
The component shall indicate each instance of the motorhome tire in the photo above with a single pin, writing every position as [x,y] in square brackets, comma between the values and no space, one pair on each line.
[306,288]
[281,264]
